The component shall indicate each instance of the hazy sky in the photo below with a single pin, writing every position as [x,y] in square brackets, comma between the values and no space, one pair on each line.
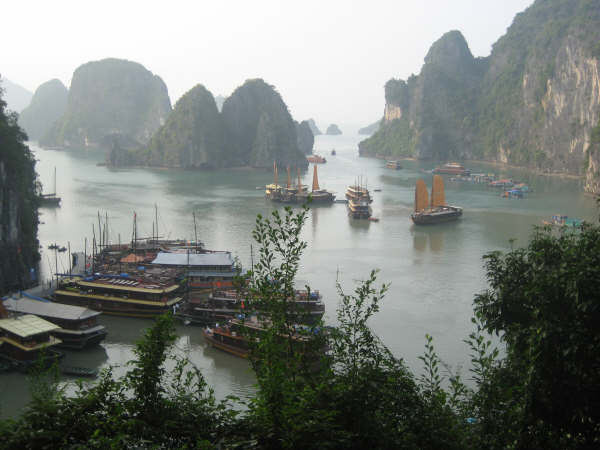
[328,59]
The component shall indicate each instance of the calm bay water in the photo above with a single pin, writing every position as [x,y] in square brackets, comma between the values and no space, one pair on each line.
[434,272]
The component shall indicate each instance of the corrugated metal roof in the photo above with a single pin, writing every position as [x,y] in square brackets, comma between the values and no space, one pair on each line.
[147,290]
[195,259]
[49,309]
[28,325]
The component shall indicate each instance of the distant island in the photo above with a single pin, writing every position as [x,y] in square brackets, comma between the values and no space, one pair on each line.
[370,129]
[111,99]
[16,96]
[534,102]
[253,129]
[333,130]
[313,127]
[48,104]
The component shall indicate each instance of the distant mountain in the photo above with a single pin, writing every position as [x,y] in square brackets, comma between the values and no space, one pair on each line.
[47,105]
[219,100]
[192,136]
[259,128]
[370,129]
[313,127]
[306,140]
[15,96]
[534,102]
[111,99]
[333,130]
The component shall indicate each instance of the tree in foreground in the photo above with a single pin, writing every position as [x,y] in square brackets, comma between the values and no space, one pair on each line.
[544,302]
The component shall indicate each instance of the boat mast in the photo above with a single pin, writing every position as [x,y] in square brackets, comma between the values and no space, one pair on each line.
[85,255]
[195,232]
[315,186]
[54,181]
[156,219]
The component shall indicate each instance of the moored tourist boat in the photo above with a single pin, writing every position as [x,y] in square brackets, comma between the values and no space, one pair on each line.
[452,168]
[78,326]
[359,201]
[120,295]
[561,220]
[435,211]
[393,165]
[26,340]
[222,305]
[316,159]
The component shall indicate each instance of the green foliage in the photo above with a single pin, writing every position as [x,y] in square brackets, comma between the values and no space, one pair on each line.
[147,408]
[543,299]
[192,137]
[111,96]
[259,128]
[18,205]
[394,139]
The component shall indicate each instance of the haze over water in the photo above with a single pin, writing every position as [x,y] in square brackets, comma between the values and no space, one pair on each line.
[434,271]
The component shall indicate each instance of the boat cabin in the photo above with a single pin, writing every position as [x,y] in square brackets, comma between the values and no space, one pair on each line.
[25,338]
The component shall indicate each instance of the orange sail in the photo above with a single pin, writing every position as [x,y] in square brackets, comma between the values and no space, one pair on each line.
[438,197]
[299,182]
[315,186]
[421,196]
[289,180]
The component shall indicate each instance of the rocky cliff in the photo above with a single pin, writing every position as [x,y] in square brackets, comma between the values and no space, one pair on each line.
[533,102]
[333,130]
[16,96]
[18,207]
[313,127]
[48,104]
[192,136]
[111,97]
[306,139]
[370,129]
[259,128]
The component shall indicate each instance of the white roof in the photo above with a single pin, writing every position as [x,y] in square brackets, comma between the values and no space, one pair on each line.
[25,326]
[195,259]
[49,309]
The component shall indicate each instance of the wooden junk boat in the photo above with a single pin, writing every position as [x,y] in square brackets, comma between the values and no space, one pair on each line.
[435,211]
[452,168]
[277,193]
[78,326]
[317,195]
[49,200]
[316,159]
[359,201]
[119,295]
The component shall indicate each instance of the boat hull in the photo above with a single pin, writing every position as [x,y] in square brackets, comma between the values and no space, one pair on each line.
[234,350]
[448,214]
[79,341]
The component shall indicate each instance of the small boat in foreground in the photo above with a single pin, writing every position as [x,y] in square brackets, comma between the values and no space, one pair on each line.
[435,211]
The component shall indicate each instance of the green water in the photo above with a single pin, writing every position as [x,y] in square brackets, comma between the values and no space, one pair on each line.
[433,272]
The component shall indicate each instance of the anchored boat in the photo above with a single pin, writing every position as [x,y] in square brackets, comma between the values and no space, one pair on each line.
[359,201]
[435,211]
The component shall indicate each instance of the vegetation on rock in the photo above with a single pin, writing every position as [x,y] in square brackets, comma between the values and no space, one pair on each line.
[533,102]
[370,129]
[47,106]
[306,139]
[192,136]
[18,205]
[259,128]
[111,97]
[313,127]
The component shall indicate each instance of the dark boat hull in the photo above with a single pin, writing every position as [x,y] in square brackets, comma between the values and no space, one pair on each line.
[79,341]
[434,217]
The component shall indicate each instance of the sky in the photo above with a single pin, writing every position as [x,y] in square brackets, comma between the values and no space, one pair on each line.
[328,59]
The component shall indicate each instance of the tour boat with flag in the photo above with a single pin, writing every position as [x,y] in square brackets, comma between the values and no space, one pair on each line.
[436,210]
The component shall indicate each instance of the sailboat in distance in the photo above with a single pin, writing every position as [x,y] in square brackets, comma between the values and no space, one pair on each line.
[49,199]
[428,212]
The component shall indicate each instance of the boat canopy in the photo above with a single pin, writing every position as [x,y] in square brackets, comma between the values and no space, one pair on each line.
[28,325]
[48,309]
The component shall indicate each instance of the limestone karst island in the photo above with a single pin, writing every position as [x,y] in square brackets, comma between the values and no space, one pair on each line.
[301,226]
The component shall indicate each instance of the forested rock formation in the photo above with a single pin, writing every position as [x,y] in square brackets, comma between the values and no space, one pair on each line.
[15,95]
[534,102]
[18,206]
[192,136]
[259,128]
[333,130]
[111,97]
[47,105]
[314,128]
[370,129]
[306,139]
